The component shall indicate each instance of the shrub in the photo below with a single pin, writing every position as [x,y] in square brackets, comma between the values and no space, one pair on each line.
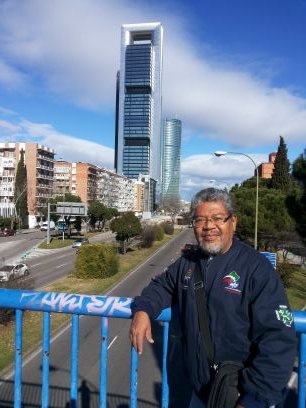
[148,236]
[96,261]
[286,271]
[159,233]
[24,283]
[168,227]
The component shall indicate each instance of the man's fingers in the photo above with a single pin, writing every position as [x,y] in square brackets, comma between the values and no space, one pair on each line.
[149,335]
[140,328]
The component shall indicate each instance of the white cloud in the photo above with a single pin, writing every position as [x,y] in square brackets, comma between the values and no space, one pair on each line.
[68,147]
[11,77]
[200,171]
[72,48]
[7,128]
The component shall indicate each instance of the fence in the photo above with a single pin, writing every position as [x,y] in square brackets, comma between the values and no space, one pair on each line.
[105,307]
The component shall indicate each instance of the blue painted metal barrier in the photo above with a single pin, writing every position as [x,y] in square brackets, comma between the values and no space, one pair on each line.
[106,307]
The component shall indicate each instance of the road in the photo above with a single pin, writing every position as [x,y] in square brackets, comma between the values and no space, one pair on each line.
[119,353]
[45,267]
[14,247]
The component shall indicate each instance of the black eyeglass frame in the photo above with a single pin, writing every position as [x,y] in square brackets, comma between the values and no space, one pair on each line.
[224,220]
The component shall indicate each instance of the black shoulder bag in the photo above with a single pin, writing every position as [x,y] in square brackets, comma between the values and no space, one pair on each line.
[223,391]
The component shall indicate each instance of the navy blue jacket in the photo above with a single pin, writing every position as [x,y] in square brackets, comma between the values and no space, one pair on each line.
[250,320]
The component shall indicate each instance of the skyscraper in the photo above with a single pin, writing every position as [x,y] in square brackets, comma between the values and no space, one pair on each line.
[171,161]
[139,119]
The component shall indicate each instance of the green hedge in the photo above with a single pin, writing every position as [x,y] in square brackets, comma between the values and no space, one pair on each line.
[168,227]
[159,233]
[96,261]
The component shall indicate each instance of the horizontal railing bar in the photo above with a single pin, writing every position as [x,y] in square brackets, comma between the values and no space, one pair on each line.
[69,303]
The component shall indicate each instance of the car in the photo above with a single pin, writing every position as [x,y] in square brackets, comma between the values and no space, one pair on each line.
[11,272]
[79,242]
[7,232]
[44,226]
[187,247]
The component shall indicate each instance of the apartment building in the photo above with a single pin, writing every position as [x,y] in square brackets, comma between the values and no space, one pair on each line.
[62,178]
[77,178]
[265,170]
[39,161]
[115,191]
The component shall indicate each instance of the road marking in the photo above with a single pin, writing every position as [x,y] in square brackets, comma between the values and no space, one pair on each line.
[293,381]
[62,256]
[59,266]
[112,342]
[33,266]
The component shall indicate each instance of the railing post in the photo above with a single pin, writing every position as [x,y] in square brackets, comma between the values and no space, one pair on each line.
[74,364]
[133,378]
[165,387]
[18,359]
[103,362]
[302,372]
[45,360]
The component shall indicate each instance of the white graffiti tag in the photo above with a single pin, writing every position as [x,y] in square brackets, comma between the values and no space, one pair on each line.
[61,301]
[101,305]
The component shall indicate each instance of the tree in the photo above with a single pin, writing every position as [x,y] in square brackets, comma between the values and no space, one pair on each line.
[20,191]
[281,179]
[98,212]
[299,170]
[126,227]
[298,199]
[274,221]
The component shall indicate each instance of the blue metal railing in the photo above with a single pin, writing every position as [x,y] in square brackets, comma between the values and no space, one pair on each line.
[105,307]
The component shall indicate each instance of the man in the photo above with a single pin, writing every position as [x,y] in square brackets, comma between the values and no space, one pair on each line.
[250,320]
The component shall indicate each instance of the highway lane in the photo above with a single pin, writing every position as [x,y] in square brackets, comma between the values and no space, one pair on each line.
[46,266]
[119,352]
[12,247]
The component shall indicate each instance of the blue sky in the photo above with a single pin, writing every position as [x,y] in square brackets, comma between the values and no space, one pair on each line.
[234,73]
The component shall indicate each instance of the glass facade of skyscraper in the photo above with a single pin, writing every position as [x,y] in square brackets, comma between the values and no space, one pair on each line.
[171,160]
[139,119]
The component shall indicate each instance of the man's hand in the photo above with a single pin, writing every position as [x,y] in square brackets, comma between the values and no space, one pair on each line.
[140,328]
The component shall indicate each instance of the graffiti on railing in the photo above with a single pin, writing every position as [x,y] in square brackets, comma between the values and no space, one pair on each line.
[72,303]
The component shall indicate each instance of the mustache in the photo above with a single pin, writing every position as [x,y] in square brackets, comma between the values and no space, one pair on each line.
[214,234]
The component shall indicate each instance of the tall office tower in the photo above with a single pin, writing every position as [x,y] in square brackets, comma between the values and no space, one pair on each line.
[171,161]
[139,119]
[117,120]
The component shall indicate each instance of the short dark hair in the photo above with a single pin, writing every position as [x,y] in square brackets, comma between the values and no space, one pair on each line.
[212,194]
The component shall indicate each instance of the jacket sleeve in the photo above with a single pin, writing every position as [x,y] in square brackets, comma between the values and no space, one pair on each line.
[272,337]
[159,294]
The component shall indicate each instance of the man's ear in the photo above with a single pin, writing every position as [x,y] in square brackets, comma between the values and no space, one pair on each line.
[234,221]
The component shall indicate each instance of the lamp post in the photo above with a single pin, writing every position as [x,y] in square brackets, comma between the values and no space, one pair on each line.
[219,153]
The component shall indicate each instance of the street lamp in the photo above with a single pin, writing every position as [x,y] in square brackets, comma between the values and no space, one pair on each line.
[219,153]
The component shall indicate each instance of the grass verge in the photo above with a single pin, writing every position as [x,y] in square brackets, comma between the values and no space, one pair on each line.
[296,291]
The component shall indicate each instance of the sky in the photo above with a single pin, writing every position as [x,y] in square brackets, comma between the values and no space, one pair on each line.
[233,72]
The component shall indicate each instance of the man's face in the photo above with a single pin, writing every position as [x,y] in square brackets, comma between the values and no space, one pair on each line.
[214,227]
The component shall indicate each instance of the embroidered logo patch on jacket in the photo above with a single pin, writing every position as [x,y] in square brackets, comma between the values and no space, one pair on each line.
[284,315]
[231,282]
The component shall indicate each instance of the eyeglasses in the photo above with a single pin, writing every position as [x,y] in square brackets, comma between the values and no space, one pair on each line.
[215,219]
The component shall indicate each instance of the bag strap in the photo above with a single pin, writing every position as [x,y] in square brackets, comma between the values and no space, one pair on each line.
[203,313]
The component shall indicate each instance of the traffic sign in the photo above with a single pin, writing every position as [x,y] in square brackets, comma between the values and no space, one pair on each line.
[271,256]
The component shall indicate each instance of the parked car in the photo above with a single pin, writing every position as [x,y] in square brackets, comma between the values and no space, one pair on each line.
[44,226]
[79,242]
[10,272]
[7,232]
[187,247]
